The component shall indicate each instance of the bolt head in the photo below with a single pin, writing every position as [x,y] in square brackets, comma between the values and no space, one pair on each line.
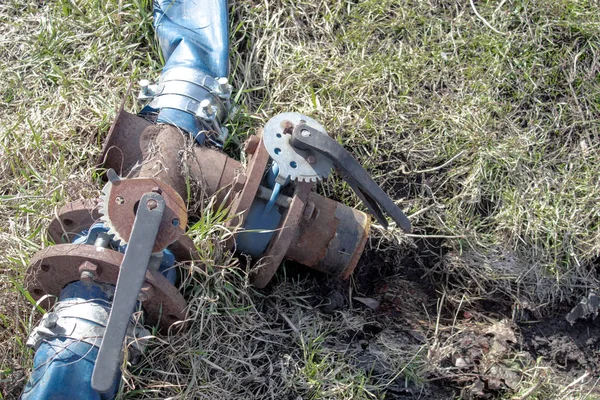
[311,159]
[224,87]
[288,127]
[151,204]
[50,320]
[119,200]
[305,133]
[87,277]
[146,292]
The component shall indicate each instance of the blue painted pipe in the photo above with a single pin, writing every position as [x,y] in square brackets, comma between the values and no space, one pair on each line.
[194,40]
[193,34]
[63,364]
[62,367]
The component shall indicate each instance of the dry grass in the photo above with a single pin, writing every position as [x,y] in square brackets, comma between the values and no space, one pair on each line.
[487,136]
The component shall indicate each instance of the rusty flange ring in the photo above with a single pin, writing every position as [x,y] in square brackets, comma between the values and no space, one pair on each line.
[55,267]
[120,206]
[254,174]
[72,218]
[287,231]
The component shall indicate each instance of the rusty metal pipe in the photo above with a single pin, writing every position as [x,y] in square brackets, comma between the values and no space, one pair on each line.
[329,236]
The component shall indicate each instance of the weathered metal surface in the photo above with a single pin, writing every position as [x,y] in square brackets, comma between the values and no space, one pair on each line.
[213,172]
[160,152]
[72,218]
[251,144]
[286,233]
[254,174]
[162,148]
[330,239]
[121,202]
[82,214]
[346,247]
[53,268]
[129,285]
[121,150]
[315,140]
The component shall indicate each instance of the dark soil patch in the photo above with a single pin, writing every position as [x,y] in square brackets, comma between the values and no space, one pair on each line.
[405,294]
[572,350]
[373,270]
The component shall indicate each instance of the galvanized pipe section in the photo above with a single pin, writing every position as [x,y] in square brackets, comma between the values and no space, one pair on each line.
[64,358]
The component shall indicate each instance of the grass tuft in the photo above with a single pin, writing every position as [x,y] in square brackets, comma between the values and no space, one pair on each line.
[482,125]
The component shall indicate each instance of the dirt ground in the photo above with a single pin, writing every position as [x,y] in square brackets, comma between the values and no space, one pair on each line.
[484,357]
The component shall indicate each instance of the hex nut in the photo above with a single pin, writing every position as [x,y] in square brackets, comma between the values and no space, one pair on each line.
[146,292]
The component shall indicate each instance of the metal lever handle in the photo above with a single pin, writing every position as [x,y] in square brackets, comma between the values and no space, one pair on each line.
[129,283]
[306,138]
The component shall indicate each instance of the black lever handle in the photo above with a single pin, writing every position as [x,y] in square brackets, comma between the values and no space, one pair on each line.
[306,138]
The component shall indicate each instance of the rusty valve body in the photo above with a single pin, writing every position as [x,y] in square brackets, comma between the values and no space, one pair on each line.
[314,231]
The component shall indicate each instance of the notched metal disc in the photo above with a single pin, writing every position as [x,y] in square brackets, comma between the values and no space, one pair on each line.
[296,164]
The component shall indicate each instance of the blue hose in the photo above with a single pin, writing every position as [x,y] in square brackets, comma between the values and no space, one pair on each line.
[194,40]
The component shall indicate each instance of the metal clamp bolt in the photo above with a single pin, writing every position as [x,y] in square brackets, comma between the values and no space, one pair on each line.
[147,90]
[225,88]
[144,83]
[50,320]
[206,111]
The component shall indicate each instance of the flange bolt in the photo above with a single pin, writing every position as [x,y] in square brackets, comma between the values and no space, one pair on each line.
[87,277]
[146,293]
